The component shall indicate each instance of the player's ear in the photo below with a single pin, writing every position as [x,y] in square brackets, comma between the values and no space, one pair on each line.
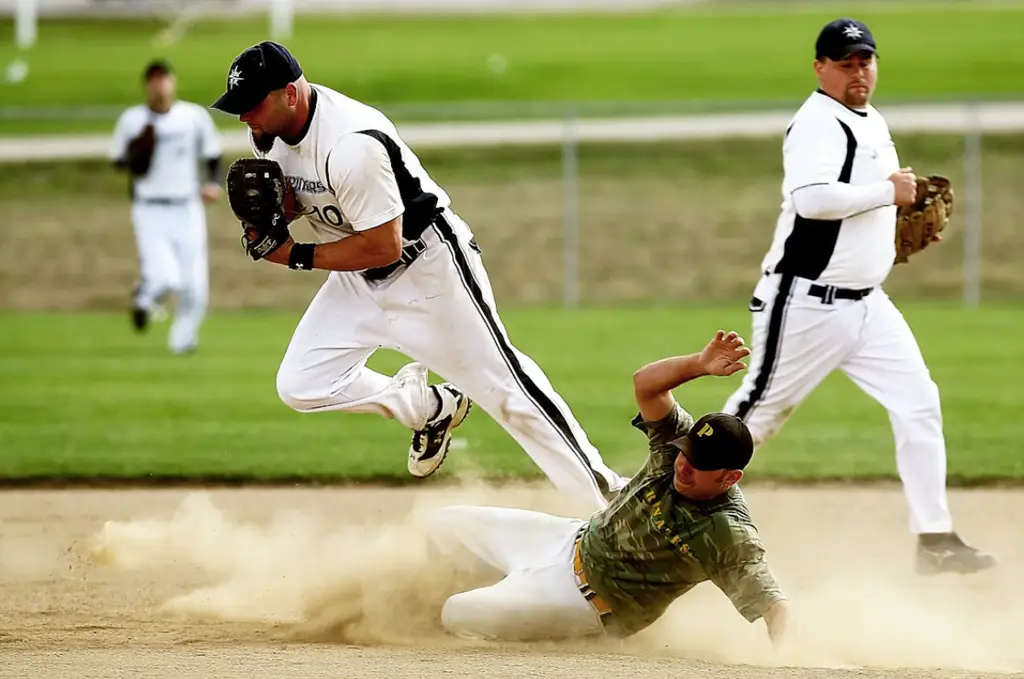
[291,94]
[732,477]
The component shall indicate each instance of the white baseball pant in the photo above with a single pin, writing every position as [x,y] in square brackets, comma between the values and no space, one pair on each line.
[538,597]
[172,246]
[798,341]
[440,312]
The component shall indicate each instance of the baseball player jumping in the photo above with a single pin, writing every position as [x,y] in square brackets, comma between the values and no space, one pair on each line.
[160,143]
[405,273]
[681,521]
[819,304]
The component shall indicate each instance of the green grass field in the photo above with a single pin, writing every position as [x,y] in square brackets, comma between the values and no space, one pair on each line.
[81,396]
[697,58]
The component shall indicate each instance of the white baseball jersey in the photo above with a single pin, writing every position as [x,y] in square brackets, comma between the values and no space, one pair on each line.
[351,171]
[184,134]
[838,219]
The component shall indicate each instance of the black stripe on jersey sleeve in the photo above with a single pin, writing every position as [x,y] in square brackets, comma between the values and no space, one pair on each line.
[420,206]
[811,243]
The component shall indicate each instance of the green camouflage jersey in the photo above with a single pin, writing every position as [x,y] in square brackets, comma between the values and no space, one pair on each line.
[651,544]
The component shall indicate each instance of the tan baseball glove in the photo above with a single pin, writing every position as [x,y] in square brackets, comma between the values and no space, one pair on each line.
[920,224]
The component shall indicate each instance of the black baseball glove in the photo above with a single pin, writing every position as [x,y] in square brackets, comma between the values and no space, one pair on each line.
[139,155]
[256,192]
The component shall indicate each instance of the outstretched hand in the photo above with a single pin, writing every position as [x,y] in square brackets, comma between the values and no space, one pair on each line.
[724,354]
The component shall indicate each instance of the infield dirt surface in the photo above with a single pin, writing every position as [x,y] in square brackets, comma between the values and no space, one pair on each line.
[331,582]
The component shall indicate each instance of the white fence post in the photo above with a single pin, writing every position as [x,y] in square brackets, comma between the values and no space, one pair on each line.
[571,214]
[973,213]
[26,19]
[281,17]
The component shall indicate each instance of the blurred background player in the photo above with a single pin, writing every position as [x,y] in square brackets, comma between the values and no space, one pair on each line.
[819,305]
[160,144]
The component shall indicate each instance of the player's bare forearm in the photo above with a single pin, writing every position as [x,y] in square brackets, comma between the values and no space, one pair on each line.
[280,255]
[376,247]
[653,383]
[778,623]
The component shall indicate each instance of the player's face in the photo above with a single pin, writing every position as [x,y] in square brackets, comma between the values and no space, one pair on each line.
[851,81]
[701,485]
[273,116]
[160,90]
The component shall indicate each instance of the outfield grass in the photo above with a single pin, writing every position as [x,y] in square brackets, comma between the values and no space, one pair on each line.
[695,57]
[81,396]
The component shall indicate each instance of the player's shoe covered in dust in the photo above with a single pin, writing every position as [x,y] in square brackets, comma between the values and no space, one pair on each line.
[430,444]
[947,553]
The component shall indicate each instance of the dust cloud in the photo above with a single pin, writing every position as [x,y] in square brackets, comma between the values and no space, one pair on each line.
[371,583]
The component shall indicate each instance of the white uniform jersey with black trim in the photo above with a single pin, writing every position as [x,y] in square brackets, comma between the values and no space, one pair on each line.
[351,171]
[184,135]
[828,142]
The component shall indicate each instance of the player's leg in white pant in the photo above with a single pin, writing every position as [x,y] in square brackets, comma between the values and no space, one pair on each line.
[796,343]
[190,249]
[450,324]
[889,367]
[324,367]
[157,266]
[537,598]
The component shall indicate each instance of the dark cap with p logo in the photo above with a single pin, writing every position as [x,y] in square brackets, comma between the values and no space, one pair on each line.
[717,441]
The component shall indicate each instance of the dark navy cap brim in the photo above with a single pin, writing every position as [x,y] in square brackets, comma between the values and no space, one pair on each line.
[235,103]
[849,50]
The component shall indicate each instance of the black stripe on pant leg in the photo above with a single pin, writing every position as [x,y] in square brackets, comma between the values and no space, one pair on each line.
[533,392]
[771,347]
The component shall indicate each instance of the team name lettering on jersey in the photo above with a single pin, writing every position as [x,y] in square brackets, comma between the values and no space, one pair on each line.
[303,185]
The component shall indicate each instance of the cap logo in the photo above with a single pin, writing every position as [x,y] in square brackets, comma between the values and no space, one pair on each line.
[234,77]
[852,32]
[706,430]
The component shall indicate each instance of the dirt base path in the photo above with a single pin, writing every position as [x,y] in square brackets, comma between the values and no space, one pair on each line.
[330,583]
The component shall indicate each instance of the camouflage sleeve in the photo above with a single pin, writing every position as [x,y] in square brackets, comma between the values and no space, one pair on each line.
[746,578]
[668,428]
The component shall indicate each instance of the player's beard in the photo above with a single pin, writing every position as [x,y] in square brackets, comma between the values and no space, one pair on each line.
[263,140]
[857,97]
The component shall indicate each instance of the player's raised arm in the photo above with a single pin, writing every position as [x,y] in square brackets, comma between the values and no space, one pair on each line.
[653,383]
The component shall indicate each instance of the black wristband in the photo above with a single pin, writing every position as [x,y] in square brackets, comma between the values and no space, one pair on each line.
[301,256]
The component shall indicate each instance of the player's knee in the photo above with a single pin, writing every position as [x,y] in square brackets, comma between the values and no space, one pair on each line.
[923,406]
[292,390]
[462,616]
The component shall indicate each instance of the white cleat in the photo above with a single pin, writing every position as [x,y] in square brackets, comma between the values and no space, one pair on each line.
[430,445]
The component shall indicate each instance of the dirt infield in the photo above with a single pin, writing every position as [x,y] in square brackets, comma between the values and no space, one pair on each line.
[330,583]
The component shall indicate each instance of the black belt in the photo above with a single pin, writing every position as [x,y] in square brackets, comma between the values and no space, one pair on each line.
[830,293]
[409,254]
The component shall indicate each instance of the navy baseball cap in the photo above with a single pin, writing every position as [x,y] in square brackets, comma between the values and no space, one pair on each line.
[717,441]
[254,74]
[843,37]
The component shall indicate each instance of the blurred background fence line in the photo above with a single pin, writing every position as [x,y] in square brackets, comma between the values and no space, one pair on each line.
[603,198]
